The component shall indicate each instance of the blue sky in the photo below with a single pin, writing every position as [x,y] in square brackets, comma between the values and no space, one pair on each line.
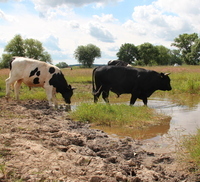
[63,25]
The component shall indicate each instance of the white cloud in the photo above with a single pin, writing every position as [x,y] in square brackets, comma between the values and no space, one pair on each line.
[44,5]
[74,24]
[55,3]
[186,10]
[100,33]
[52,43]
[105,18]
[6,17]
[3,1]
[181,7]
[162,19]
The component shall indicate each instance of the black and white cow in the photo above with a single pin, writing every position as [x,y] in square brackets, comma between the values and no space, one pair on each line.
[36,73]
[138,82]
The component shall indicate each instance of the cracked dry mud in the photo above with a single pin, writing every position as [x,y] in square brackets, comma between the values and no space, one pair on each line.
[40,144]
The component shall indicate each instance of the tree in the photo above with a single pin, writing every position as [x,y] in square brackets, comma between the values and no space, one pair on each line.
[175,57]
[5,60]
[163,57]
[128,53]
[62,65]
[194,55]
[30,48]
[188,45]
[148,53]
[87,54]
[33,48]
[16,46]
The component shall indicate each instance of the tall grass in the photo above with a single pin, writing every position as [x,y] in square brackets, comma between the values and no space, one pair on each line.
[3,76]
[121,115]
[186,83]
[83,75]
[191,154]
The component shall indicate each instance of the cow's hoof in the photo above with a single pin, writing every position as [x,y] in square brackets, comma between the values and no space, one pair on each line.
[67,108]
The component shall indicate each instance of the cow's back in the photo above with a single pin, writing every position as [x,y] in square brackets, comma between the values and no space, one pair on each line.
[32,72]
[117,73]
[118,79]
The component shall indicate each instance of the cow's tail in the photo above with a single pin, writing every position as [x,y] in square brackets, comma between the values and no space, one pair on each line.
[10,64]
[94,91]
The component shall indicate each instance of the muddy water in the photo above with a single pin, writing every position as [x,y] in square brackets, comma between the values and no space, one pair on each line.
[183,120]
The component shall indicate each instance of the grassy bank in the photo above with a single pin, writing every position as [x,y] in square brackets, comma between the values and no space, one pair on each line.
[121,115]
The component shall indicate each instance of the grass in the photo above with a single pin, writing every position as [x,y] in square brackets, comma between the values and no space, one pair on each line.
[191,146]
[121,115]
[186,83]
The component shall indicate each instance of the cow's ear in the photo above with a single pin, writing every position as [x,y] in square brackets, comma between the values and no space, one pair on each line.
[70,87]
[162,75]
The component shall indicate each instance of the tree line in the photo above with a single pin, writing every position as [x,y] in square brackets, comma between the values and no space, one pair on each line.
[187,52]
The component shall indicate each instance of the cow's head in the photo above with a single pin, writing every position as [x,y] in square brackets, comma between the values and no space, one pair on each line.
[165,82]
[68,94]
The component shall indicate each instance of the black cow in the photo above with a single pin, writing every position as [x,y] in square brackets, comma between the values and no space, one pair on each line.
[117,63]
[138,82]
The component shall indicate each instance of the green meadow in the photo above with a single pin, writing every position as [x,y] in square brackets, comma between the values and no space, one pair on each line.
[184,80]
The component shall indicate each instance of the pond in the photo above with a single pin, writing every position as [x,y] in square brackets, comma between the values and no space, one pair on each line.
[183,120]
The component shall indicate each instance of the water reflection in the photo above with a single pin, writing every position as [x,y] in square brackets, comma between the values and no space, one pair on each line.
[185,119]
[137,133]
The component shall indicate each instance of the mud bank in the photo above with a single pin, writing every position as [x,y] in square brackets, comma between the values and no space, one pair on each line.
[40,144]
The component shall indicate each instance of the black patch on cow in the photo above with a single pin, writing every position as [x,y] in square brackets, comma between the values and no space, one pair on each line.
[52,70]
[33,72]
[58,81]
[36,81]
[38,73]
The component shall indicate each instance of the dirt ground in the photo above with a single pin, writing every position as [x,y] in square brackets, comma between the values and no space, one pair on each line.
[42,144]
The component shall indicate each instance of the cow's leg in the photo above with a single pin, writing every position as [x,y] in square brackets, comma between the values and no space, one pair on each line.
[49,93]
[133,99]
[16,88]
[105,95]
[54,97]
[7,87]
[145,101]
[96,96]
[9,81]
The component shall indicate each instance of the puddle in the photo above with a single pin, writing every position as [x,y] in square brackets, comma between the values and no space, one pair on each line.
[185,120]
